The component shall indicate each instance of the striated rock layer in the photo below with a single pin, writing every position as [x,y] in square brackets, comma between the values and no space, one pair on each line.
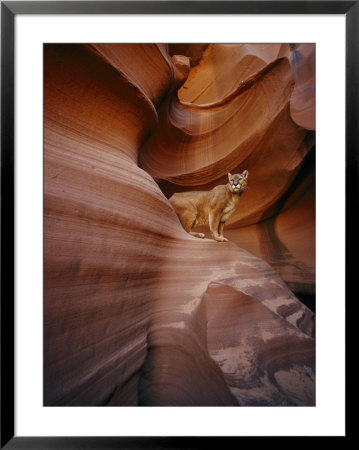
[136,311]
[244,106]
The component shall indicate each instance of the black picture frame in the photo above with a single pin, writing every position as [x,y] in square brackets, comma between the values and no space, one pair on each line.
[9,9]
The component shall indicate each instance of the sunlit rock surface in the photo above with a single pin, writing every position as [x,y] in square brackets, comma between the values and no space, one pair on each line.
[136,311]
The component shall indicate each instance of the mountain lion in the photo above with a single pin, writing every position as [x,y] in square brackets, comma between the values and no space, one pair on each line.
[212,207]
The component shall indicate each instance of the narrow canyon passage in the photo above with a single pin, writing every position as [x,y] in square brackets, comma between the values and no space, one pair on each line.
[136,311]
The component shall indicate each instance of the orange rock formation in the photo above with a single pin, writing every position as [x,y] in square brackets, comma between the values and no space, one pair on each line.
[136,311]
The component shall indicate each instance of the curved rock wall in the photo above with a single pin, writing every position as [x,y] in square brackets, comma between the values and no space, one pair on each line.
[247,106]
[136,311]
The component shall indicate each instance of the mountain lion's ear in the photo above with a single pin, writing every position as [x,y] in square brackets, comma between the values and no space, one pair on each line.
[245,173]
[229,176]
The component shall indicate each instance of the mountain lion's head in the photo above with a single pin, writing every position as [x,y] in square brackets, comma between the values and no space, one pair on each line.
[238,181]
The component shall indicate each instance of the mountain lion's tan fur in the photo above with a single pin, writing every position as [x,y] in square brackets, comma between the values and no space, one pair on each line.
[212,207]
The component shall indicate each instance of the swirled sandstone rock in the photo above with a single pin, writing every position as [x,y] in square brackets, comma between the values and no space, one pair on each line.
[245,107]
[136,311]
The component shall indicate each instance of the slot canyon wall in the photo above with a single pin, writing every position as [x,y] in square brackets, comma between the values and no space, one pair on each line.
[137,311]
